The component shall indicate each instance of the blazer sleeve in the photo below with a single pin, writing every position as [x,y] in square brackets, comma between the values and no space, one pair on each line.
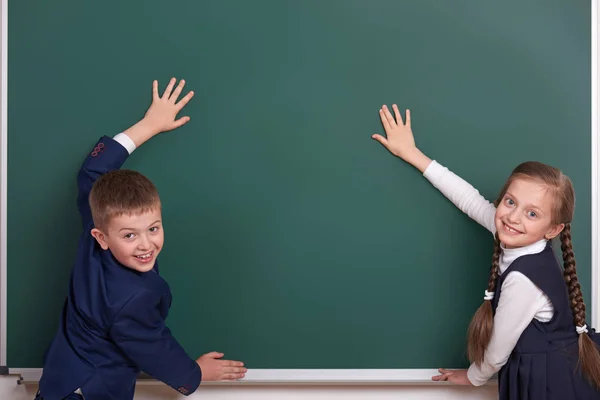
[107,155]
[139,330]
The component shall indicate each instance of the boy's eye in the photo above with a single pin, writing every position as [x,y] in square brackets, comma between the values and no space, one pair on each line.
[129,236]
[154,229]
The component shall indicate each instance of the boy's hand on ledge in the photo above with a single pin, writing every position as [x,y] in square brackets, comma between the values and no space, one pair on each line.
[215,369]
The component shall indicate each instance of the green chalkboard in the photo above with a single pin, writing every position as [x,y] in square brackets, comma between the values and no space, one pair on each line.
[293,240]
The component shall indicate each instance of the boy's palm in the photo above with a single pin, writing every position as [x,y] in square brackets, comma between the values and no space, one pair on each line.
[399,138]
[214,369]
[163,110]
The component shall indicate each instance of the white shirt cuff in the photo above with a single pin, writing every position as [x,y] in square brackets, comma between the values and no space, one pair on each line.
[125,141]
[433,171]
[475,376]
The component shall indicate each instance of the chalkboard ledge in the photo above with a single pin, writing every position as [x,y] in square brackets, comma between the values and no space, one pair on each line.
[265,377]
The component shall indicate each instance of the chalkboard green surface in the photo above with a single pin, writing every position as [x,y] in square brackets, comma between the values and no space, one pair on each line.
[293,240]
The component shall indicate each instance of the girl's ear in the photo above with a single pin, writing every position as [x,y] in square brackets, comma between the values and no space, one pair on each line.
[554,231]
[100,238]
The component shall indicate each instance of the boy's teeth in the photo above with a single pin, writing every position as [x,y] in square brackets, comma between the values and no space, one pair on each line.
[144,256]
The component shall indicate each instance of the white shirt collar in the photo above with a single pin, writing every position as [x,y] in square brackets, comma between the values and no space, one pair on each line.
[507,256]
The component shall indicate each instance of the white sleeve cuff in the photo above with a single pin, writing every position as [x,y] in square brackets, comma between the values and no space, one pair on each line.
[475,376]
[433,171]
[125,141]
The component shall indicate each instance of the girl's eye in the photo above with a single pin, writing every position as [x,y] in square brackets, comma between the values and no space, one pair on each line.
[510,202]
[532,214]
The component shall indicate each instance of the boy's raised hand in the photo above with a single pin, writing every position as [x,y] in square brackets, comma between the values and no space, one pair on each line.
[215,369]
[162,114]
[399,138]
[163,110]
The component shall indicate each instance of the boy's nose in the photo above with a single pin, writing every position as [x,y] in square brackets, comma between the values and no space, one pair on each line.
[144,243]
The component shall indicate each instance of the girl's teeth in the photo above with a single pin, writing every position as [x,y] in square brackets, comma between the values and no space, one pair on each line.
[510,229]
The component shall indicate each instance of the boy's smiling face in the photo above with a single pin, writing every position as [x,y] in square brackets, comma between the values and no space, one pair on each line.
[134,239]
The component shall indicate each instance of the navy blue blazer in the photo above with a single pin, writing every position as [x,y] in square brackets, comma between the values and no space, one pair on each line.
[113,322]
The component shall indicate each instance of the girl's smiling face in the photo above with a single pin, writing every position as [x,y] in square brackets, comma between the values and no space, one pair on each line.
[524,214]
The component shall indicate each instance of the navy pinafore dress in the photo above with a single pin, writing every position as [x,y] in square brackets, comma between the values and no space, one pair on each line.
[543,364]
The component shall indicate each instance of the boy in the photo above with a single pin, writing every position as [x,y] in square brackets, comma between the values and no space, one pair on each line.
[113,321]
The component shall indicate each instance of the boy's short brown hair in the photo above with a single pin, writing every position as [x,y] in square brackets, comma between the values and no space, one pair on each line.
[121,192]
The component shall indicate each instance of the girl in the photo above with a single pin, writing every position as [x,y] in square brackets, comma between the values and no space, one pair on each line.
[531,326]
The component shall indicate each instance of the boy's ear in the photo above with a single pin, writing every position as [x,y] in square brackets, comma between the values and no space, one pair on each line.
[554,231]
[100,238]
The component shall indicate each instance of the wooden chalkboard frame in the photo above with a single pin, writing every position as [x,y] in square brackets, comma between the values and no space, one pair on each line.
[294,376]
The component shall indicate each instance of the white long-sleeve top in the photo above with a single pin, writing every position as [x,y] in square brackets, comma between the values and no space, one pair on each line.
[521,300]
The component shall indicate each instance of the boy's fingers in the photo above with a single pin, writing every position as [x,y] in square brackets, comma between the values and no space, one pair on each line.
[408,118]
[185,100]
[169,89]
[397,114]
[234,370]
[213,354]
[155,89]
[177,91]
[230,363]
[232,376]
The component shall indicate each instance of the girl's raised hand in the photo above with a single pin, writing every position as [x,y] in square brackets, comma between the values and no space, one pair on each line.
[399,138]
